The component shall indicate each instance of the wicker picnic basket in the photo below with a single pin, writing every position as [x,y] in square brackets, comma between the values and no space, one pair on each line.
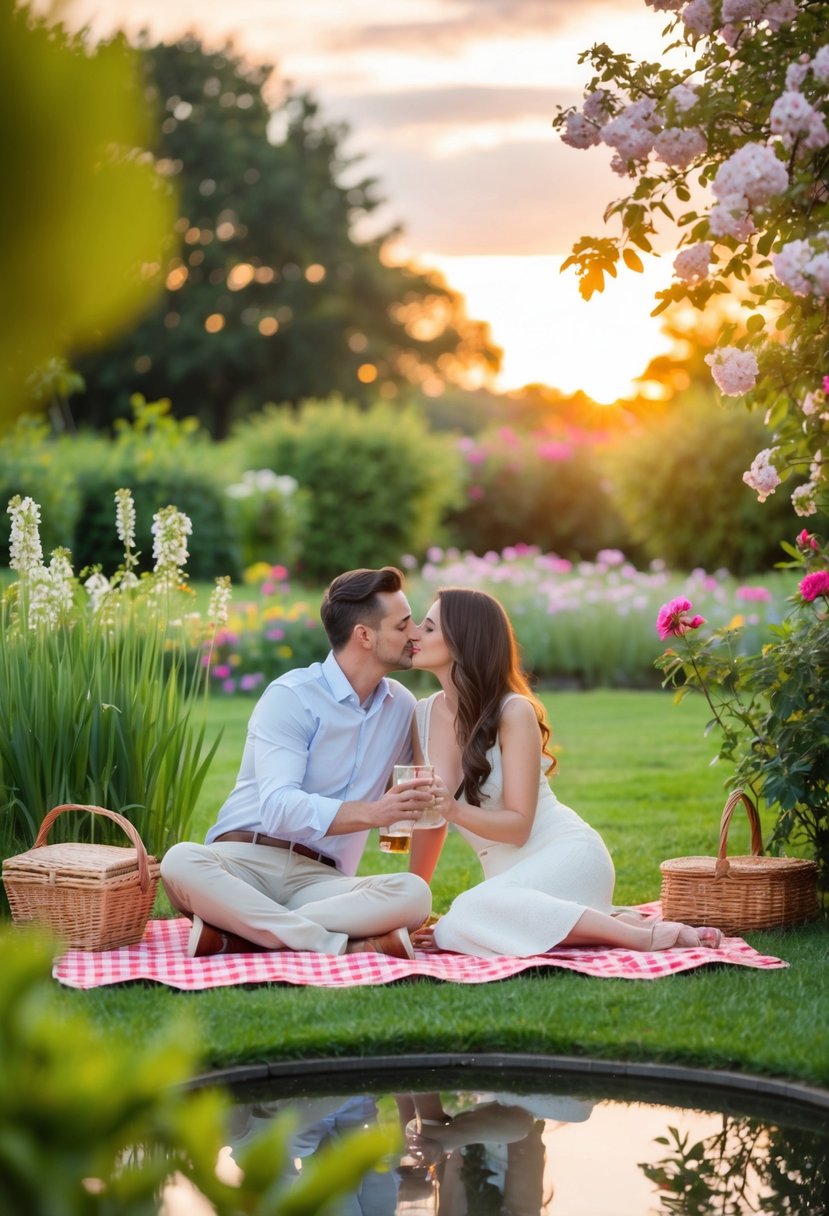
[94,896]
[739,894]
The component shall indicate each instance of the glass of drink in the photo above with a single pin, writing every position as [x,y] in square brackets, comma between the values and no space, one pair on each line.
[397,837]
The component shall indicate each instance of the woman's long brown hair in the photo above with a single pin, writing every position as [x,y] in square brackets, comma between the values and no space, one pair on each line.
[485,668]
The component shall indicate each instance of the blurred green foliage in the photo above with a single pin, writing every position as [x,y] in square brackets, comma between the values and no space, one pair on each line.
[544,488]
[84,215]
[379,484]
[677,484]
[93,1126]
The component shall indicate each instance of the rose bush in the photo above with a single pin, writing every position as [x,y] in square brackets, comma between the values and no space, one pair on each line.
[726,138]
[770,704]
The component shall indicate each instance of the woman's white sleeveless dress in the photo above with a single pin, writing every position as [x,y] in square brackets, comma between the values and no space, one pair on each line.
[532,895]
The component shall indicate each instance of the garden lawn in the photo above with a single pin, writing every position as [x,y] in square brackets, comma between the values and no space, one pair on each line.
[637,768]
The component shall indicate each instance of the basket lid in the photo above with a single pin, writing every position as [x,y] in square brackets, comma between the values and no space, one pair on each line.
[739,866]
[72,859]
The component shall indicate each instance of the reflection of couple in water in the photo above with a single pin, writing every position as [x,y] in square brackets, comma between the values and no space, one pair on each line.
[489,1157]
[278,867]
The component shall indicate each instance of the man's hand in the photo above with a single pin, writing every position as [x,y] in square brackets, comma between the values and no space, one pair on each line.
[408,800]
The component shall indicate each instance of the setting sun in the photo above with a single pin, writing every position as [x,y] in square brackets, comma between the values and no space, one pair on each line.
[549,334]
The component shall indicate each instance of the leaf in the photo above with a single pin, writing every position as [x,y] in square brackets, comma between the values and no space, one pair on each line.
[632,260]
[755,323]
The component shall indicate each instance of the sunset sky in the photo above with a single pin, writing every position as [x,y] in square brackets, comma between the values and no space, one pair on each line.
[451,102]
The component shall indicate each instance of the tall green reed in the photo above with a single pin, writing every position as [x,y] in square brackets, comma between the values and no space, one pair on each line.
[104,687]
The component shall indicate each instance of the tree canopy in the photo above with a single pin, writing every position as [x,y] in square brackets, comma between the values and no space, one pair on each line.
[268,295]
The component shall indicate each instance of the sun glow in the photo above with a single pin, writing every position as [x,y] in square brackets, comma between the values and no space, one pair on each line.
[549,334]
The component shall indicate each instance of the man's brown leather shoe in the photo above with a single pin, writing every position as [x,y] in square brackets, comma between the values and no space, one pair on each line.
[206,939]
[397,943]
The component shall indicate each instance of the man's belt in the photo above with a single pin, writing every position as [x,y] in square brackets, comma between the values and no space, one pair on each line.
[272,842]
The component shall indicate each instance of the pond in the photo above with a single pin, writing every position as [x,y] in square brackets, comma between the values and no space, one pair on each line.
[486,1142]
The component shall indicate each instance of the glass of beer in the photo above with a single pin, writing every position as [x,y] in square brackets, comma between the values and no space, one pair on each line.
[397,837]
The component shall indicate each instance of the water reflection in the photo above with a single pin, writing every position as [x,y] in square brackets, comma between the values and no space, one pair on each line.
[502,1153]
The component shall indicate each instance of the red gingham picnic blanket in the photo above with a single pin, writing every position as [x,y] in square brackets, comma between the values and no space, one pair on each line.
[161,956]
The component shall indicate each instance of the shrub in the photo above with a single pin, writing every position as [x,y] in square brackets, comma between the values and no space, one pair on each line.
[94,1125]
[678,485]
[164,461]
[32,467]
[269,517]
[541,489]
[379,484]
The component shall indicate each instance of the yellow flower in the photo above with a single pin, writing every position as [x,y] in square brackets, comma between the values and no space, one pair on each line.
[257,573]
[285,652]
[736,622]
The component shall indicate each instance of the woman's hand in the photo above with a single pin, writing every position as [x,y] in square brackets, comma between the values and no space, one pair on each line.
[444,803]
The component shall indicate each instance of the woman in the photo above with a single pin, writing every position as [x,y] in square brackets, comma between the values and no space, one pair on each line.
[548,877]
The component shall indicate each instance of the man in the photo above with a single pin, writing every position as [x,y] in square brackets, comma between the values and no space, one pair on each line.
[277,869]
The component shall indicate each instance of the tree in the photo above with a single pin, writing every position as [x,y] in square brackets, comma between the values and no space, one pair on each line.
[744,113]
[271,297]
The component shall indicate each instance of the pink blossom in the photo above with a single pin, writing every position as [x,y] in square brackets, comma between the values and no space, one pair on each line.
[807,540]
[790,267]
[731,217]
[554,450]
[791,114]
[735,371]
[684,96]
[803,499]
[753,594]
[596,105]
[474,493]
[753,171]
[580,132]
[826,384]
[820,65]
[275,635]
[279,573]
[698,17]
[674,618]
[763,477]
[665,6]
[692,264]
[814,585]
[632,132]
[741,10]
[778,13]
[221,671]
[679,147]
[229,686]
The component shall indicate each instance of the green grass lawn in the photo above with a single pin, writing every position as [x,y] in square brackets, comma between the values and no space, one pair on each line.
[638,769]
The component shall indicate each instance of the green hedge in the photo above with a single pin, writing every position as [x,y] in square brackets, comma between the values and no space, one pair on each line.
[538,489]
[378,483]
[678,484]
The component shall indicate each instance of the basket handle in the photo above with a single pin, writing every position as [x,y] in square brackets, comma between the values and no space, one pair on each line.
[129,828]
[722,867]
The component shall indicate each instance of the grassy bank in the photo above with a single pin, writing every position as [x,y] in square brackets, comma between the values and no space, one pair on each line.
[638,769]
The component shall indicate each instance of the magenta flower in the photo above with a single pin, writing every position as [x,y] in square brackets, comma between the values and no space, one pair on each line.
[759,594]
[674,618]
[808,540]
[221,671]
[814,585]
[826,384]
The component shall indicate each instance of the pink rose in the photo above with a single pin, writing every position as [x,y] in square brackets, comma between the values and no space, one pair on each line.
[674,618]
[808,540]
[826,384]
[814,585]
